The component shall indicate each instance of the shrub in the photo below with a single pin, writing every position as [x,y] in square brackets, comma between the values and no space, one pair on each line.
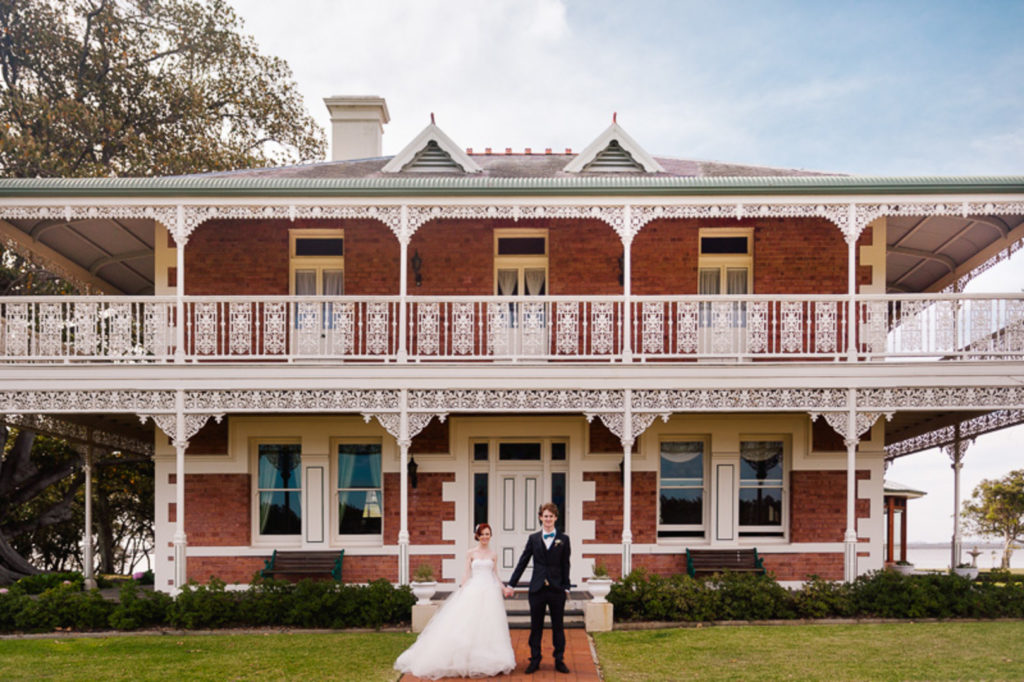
[204,606]
[823,599]
[63,607]
[140,609]
[37,584]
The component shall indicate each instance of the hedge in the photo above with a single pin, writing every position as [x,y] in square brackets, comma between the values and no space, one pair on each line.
[880,594]
[309,604]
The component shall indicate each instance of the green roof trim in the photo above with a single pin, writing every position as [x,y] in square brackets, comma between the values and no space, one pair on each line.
[199,186]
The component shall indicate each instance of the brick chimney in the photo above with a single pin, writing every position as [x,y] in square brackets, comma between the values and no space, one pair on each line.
[357,124]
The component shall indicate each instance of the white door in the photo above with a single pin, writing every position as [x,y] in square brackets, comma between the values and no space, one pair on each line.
[519,495]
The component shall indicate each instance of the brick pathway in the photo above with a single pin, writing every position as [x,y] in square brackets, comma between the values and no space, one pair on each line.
[577,656]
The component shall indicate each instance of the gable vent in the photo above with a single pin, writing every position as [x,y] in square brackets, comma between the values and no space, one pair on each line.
[432,159]
[613,159]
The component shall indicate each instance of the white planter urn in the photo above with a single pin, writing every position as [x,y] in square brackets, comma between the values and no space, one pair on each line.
[969,572]
[423,591]
[905,569]
[599,588]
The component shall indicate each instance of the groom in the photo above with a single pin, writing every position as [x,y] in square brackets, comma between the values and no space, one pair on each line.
[549,586]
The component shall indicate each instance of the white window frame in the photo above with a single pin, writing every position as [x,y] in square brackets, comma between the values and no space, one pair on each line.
[694,531]
[254,454]
[772,531]
[724,262]
[339,539]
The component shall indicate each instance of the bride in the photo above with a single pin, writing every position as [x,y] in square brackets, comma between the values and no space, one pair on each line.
[468,636]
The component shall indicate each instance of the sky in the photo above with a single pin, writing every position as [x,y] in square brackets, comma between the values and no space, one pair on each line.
[875,88]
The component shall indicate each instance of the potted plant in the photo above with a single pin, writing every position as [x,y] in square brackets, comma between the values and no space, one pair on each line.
[423,584]
[967,571]
[599,584]
[904,567]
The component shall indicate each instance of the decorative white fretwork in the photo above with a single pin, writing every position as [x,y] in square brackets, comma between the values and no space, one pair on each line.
[301,400]
[687,321]
[568,322]
[158,331]
[392,422]
[839,421]
[957,450]
[168,423]
[498,329]
[204,328]
[195,215]
[428,328]
[16,336]
[615,422]
[308,327]
[463,320]
[240,326]
[825,326]
[969,429]
[343,328]
[653,327]
[792,326]
[70,401]
[962,398]
[836,213]
[275,327]
[802,399]
[612,215]
[757,327]
[377,328]
[54,426]
[488,400]
[533,328]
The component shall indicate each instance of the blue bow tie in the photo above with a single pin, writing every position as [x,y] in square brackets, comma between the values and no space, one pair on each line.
[548,535]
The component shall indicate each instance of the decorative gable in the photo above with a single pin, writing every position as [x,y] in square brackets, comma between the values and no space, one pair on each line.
[614,151]
[432,152]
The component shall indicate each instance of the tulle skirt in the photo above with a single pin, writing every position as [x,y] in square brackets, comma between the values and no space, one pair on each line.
[467,637]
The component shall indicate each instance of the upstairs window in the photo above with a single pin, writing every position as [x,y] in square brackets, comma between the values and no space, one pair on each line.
[726,262]
[520,262]
[317,262]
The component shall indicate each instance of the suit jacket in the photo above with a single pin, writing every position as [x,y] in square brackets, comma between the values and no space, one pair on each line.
[550,566]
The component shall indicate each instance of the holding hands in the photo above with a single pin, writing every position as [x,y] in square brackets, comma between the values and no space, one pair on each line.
[507,591]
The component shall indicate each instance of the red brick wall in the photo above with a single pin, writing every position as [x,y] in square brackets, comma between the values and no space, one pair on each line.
[435,561]
[426,509]
[801,566]
[432,439]
[817,505]
[458,258]
[251,257]
[230,569]
[216,509]
[603,440]
[212,439]
[584,258]
[606,509]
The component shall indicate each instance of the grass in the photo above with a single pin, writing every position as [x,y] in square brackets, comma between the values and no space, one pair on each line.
[904,651]
[278,656]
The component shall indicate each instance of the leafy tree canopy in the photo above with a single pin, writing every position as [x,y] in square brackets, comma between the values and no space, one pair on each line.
[996,508]
[142,87]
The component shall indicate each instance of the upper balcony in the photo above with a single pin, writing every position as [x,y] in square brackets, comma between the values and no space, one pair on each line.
[541,329]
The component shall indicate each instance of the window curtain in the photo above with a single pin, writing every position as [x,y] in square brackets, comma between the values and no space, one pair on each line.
[763,456]
[276,471]
[507,282]
[534,282]
[709,281]
[334,283]
[305,282]
[680,453]
[736,281]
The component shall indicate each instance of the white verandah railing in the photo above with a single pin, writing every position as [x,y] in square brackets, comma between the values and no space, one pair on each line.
[543,328]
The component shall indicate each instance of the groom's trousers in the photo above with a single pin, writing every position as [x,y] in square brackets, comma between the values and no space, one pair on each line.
[552,599]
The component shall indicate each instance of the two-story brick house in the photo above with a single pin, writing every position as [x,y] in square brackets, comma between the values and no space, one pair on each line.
[376,353]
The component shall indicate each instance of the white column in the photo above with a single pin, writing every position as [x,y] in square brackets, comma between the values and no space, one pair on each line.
[404,441]
[179,287]
[627,286]
[850,537]
[956,454]
[627,484]
[403,286]
[180,541]
[851,288]
[88,568]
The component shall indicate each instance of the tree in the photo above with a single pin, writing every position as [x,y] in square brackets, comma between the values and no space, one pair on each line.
[142,87]
[996,508]
[121,88]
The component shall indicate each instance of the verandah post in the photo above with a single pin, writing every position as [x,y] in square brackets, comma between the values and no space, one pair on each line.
[180,444]
[404,441]
[627,483]
[850,537]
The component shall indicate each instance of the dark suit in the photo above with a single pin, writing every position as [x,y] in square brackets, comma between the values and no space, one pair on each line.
[548,588]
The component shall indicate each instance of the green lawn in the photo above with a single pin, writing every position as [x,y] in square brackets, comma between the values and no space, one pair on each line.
[328,656]
[905,651]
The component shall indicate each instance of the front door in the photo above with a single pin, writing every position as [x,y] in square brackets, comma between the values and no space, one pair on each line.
[519,497]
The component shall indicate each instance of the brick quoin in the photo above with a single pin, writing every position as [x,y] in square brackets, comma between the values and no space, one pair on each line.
[817,505]
[606,507]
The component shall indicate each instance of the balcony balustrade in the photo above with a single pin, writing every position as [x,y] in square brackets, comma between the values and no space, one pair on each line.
[86,329]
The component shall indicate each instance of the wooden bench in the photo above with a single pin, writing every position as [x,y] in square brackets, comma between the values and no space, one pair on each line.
[304,563]
[709,561]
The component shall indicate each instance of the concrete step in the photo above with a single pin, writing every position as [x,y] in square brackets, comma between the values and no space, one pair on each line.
[518,610]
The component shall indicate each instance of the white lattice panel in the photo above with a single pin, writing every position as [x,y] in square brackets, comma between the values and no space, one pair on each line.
[377,324]
[463,321]
[568,318]
[602,328]
[240,328]
[653,327]
[428,328]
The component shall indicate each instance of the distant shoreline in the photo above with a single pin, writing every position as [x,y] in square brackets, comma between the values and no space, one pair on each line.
[965,544]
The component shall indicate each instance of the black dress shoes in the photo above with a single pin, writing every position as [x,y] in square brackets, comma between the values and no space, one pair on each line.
[532,668]
[561,667]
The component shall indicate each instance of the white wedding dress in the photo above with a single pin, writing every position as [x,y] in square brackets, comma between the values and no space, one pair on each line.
[468,636]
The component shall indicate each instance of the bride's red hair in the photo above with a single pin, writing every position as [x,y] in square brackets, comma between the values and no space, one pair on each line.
[480,528]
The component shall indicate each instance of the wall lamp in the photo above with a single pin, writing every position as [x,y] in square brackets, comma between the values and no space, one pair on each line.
[411,468]
[417,263]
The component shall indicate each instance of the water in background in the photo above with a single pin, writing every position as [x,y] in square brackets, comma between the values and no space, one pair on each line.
[937,556]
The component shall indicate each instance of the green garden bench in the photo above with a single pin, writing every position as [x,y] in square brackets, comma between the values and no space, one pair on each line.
[304,563]
[709,561]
